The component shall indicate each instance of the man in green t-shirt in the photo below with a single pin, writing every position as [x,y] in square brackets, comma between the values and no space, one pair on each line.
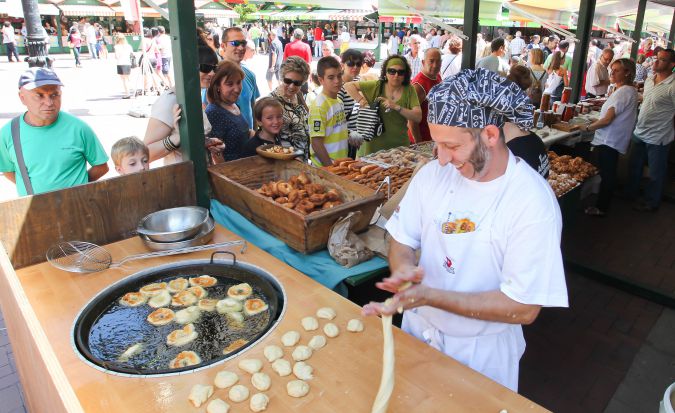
[563,47]
[328,133]
[56,146]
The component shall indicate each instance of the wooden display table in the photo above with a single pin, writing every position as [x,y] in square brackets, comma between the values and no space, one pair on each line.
[40,304]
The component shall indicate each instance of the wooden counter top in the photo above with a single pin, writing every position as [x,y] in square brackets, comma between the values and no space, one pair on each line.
[347,371]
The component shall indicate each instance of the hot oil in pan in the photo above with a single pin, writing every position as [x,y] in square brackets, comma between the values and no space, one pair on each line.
[120,327]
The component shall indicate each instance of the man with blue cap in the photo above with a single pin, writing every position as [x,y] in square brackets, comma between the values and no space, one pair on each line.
[488,229]
[46,149]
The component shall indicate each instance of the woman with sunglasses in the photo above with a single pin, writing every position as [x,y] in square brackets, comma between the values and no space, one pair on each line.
[295,131]
[398,103]
[352,60]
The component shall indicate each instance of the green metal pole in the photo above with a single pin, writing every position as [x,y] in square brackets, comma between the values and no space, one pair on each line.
[671,35]
[584,28]
[637,33]
[184,47]
[471,31]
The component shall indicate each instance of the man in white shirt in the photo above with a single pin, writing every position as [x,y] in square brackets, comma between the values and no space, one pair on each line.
[597,77]
[414,57]
[517,45]
[90,34]
[487,227]
[494,61]
[654,132]
[392,45]
[164,46]
[9,40]
[481,44]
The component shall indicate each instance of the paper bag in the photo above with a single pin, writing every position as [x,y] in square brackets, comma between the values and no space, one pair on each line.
[344,246]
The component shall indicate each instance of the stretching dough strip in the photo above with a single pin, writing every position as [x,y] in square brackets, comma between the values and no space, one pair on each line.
[387,383]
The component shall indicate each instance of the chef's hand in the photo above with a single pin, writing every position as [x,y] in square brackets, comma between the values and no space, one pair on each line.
[214,145]
[415,296]
[401,279]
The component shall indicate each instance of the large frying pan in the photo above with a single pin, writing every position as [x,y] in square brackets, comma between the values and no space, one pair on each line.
[103,328]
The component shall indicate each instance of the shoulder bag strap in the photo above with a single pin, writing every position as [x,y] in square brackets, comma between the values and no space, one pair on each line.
[16,138]
[448,66]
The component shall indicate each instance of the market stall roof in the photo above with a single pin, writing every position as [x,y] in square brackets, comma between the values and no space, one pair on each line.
[215,9]
[398,10]
[260,14]
[48,9]
[86,10]
[351,15]
[287,14]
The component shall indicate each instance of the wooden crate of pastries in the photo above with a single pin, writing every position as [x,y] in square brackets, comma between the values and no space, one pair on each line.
[370,175]
[250,186]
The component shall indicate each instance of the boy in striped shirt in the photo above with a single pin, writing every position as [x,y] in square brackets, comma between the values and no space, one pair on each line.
[328,134]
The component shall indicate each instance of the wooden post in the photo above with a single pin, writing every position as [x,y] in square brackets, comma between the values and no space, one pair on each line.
[471,8]
[188,92]
[584,27]
[637,32]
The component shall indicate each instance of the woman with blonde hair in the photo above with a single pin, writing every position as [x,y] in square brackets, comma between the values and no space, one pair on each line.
[123,55]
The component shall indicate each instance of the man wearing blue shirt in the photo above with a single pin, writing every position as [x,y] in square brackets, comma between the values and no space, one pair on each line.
[235,48]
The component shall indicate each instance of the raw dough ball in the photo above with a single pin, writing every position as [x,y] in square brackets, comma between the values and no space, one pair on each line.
[259,402]
[225,379]
[273,353]
[290,339]
[261,381]
[331,330]
[326,313]
[217,406]
[302,353]
[310,323]
[297,388]
[250,365]
[238,393]
[282,367]
[355,325]
[303,371]
[199,394]
[317,342]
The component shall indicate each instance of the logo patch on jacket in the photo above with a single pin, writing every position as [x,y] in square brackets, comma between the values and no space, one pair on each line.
[317,125]
[457,226]
[448,265]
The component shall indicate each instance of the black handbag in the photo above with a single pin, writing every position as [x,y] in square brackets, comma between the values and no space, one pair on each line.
[368,121]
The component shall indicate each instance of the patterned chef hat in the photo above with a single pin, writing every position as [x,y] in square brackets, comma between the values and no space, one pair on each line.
[477,98]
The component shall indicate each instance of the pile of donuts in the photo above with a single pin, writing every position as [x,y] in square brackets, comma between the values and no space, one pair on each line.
[401,157]
[561,183]
[576,168]
[369,174]
[300,194]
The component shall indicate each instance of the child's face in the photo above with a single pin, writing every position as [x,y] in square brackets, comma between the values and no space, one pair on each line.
[331,81]
[133,163]
[272,119]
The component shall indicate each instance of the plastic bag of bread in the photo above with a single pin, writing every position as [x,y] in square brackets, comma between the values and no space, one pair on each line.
[344,246]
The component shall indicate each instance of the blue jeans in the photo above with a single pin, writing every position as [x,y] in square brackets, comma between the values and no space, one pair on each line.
[657,162]
[93,51]
[76,53]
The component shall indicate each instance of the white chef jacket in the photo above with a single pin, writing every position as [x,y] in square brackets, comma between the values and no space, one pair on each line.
[482,236]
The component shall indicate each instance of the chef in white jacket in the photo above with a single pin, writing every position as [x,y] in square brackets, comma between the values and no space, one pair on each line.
[488,229]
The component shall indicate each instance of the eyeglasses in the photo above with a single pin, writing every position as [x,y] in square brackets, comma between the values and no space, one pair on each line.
[297,83]
[237,43]
[206,68]
[393,72]
[352,63]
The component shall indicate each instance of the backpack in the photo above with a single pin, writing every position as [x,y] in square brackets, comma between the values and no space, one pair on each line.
[535,91]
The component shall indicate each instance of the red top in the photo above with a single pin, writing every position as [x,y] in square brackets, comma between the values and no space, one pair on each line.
[426,84]
[318,34]
[300,49]
[649,53]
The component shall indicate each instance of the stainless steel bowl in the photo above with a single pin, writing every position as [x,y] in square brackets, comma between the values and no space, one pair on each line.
[204,236]
[174,224]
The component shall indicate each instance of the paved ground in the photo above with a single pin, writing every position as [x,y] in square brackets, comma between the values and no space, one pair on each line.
[611,351]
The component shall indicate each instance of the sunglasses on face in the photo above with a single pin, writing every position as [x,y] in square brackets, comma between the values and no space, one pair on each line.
[393,72]
[206,68]
[353,63]
[297,83]
[237,43]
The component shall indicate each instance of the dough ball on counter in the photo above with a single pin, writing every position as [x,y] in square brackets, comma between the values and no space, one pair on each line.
[331,330]
[355,325]
[317,342]
[310,323]
[161,299]
[273,353]
[250,365]
[217,406]
[290,338]
[326,313]
[238,393]
[188,315]
[199,394]
[302,353]
[259,402]
[261,381]
[297,388]
[303,371]
[282,367]
[225,379]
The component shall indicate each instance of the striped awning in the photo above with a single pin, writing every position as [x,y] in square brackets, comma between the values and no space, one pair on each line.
[145,11]
[217,13]
[287,14]
[351,15]
[86,10]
